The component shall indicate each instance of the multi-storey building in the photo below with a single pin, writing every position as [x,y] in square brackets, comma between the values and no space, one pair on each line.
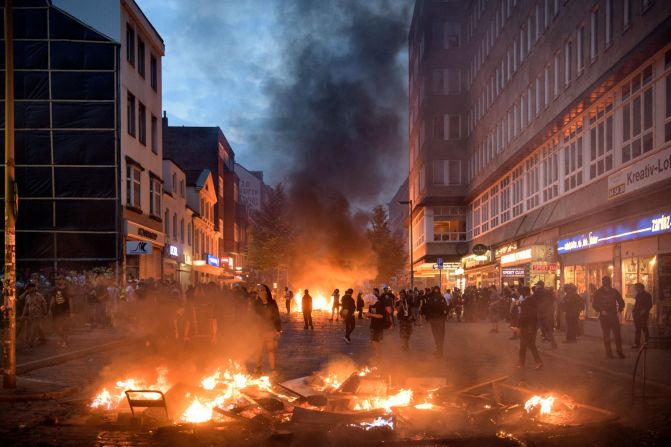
[202,199]
[565,129]
[177,226]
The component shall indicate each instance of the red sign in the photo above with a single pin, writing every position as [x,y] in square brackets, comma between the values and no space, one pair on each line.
[549,267]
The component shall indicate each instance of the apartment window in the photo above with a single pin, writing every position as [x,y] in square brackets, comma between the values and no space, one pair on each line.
[573,139]
[568,57]
[601,140]
[510,122]
[174,184]
[153,72]
[181,231]
[452,125]
[155,197]
[516,119]
[188,234]
[609,22]
[494,207]
[579,43]
[142,123]
[532,182]
[556,74]
[515,52]
[523,113]
[504,187]
[626,17]
[518,191]
[452,36]
[130,44]
[547,10]
[484,212]
[539,83]
[130,114]
[154,134]
[538,21]
[646,4]
[667,125]
[521,45]
[594,35]
[140,57]
[637,115]
[546,92]
[166,223]
[174,227]
[555,7]
[446,81]
[133,185]
[448,229]
[550,170]
[530,104]
[181,187]
[530,32]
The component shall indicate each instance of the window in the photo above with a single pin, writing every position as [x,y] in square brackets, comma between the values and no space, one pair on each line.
[568,57]
[521,45]
[538,21]
[539,84]
[518,191]
[155,197]
[530,32]
[484,212]
[418,229]
[532,182]
[130,114]
[166,223]
[626,17]
[181,231]
[448,227]
[447,172]
[579,43]
[140,57]
[130,44]
[573,158]
[555,7]
[446,82]
[546,92]
[154,134]
[447,127]
[646,4]
[556,75]
[174,227]
[515,53]
[550,170]
[594,35]
[637,115]
[142,123]
[504,187]
[494,207]
[667,125]
[133,190]
[188,234]
[452,36]
[609,22]
[181,187]
[153,72]
[547,10]
[601,140]
[174,184]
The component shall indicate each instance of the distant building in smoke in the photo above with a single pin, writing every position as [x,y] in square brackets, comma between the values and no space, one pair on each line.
[251,187]
[398,223]
[534,127]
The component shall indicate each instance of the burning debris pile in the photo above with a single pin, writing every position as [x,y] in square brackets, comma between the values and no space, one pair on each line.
[361,404]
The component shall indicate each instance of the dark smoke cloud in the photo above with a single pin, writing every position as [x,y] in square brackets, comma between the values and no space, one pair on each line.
[339,113]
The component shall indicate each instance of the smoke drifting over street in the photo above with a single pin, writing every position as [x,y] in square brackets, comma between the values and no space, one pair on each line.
[339,117]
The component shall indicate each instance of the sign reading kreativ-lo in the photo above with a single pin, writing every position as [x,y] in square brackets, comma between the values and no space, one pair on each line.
[138,248]
[652,169]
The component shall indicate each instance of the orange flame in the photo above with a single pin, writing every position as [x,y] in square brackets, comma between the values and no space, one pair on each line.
[544,404]
[400,399]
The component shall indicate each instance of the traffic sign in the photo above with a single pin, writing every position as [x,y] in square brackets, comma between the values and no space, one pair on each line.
[439,261]
[437,267]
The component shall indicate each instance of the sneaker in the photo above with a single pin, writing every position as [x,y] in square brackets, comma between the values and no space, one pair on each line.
[346,340]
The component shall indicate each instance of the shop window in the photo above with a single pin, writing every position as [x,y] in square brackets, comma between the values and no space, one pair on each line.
[635,270]
[667,117]
[587,279]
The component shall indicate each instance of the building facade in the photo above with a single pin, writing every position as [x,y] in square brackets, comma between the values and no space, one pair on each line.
[177,226]
[564,116]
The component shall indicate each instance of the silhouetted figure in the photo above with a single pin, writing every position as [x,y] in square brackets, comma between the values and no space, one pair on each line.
[641,313]
[306,305]
[609,303]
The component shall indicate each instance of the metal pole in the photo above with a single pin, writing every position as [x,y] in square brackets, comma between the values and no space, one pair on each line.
[9,284]
[412,262]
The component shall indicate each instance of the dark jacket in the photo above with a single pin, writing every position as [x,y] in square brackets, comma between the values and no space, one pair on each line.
[643,303]
[545,301]
[529,312]
[436,307]
[306,302]
[269,314]
[359,302]
[380,309]
[347,302]
[572,304]
[609,301]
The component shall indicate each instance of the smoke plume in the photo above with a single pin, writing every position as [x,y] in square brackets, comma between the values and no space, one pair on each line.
[340,114]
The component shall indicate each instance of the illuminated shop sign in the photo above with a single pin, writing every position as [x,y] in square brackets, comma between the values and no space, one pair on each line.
[652,169]
[648,226]
[512,258]
[545,267]
[173,250]
[505,249]
[513,272]
[213,260]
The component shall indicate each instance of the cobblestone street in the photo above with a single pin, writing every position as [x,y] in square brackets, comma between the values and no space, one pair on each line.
[471,354]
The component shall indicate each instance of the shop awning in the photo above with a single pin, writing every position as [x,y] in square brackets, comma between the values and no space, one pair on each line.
[209,269]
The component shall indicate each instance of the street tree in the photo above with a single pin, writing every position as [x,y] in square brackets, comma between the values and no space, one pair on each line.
[389,247]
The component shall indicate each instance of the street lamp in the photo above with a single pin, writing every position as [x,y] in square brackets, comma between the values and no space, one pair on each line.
[412,264]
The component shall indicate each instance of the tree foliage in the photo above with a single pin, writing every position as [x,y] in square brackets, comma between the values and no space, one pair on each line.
[272,233]
[389,247]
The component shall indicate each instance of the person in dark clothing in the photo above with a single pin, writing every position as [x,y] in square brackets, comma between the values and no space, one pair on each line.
[288,298]
[378,321]
[546,312]
[528,324]
[60,310]
[306,304]
[609,303]
[436,313]
[335,310]
[389,301]
[270,326]
[641,313]
[359,305]
[405,318]
[572,305]
[469,304]
[347,312]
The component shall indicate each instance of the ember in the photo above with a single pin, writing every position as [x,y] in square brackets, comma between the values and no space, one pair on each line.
[544,405]
[111,400]
[400,399]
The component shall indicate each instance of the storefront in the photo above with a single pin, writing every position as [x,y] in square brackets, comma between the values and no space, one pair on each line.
[147,263]
[208,270]
[185,271]
[170,263]
[528,265]
[481,270]
[634,251]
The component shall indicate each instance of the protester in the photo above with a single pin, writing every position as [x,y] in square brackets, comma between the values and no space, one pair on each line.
[347,313]
[306,305]
[609,303]
[270,326]
[528,327]
[494,306]
[435,311]
[546,312]
[456,304]
[378,323]
[641,313]
[335,309]
[405,318]
[288,298]
[359,304]
[60,310]
[389,300]
[34,312]
[515,317]
[572,304]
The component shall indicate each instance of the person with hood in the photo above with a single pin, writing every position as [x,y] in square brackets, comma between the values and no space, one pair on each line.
[306,304]
[435,311]
[347,312]
[609,303]
[572,305]
[270,326]
[60,310]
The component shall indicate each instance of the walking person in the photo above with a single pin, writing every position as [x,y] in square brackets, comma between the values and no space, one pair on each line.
[359,304]
[405,318]
[546,312]
[609,303]
[270,326]
[306,304]
[494,306]
[61,311]
[528,327]
[378,322]
[435,311]
[347,312]
[335,309]
[389,300]
[641,313]
[288,298]
[572,305]
[34,312]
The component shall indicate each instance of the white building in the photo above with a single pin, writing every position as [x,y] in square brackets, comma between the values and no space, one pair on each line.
[177,226]
[250,187]
[202,198]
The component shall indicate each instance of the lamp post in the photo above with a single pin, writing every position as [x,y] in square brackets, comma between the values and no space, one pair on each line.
[412,264]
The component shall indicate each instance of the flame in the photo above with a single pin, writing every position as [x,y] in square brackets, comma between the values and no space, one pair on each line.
[110,400]
[544,404]
[319,302]
[377,423]
[198,412]
[402,398]
[424,406]
[331,383]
